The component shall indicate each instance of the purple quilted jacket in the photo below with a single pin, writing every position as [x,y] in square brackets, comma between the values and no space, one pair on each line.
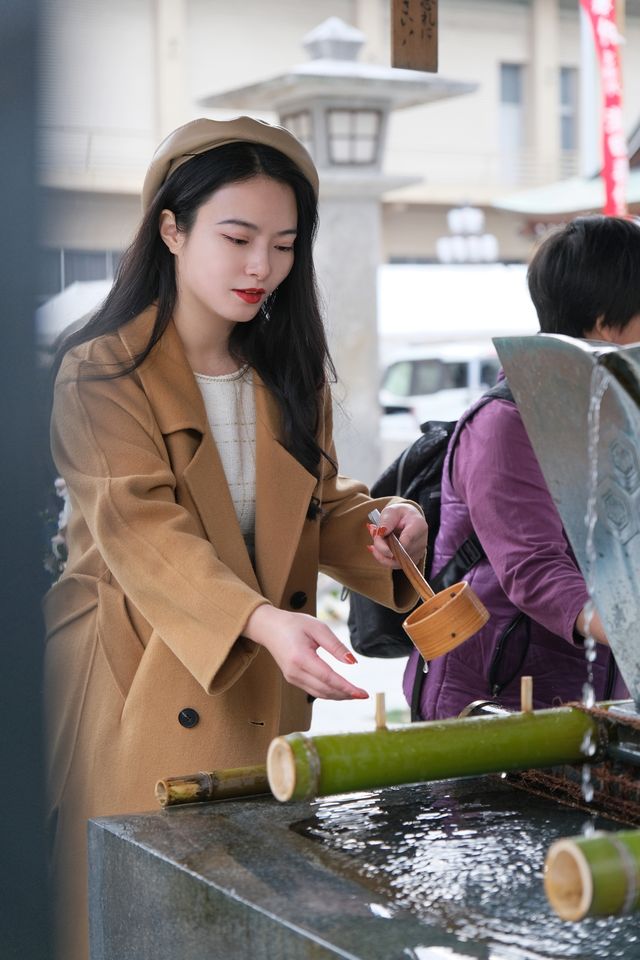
[497,489]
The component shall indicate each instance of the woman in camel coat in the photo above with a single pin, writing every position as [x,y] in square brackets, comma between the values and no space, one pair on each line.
[192,425]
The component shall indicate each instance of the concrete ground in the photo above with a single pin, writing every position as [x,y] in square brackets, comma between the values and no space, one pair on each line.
[372,674]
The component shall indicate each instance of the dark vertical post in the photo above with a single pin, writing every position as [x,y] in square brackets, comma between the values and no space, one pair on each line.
[23,896]
[414,34]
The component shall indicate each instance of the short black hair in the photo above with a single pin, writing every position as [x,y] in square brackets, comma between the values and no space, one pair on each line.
[586,270]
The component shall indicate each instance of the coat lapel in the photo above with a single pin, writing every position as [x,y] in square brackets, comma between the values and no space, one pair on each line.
[166,376]
[283,486]
[178,406]
[283,495]
[207,484]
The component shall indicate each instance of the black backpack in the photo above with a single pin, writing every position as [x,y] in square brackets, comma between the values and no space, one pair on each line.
[376,631]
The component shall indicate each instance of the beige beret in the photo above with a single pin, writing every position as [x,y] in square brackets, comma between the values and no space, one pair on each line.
[201,135]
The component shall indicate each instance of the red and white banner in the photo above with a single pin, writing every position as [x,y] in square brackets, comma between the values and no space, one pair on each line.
[615,161]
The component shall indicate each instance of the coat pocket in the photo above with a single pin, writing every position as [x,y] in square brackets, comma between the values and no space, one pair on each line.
[119,642]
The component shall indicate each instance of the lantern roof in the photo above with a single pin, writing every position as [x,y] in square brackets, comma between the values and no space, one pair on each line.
[335,72]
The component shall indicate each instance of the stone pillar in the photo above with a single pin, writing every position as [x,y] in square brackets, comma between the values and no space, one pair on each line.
[347,256]
[374,19]
[171,98]
[544,88]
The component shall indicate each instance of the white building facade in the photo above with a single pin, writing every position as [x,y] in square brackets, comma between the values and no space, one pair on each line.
[116,77]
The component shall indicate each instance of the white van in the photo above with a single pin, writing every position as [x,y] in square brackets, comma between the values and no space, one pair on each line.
[431,383]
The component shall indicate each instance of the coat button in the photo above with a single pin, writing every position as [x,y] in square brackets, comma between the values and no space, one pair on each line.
[188,717]
[297,600]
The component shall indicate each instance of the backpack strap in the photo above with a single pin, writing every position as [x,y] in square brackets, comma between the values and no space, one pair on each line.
[464,559]
[422,668]
[500,391]
[471,551]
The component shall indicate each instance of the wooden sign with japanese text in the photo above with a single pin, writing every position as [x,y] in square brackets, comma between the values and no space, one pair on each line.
[414,34]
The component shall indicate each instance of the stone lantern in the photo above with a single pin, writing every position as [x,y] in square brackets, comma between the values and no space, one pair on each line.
[339,108]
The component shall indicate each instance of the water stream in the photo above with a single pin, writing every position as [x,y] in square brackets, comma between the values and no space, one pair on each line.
[600,380]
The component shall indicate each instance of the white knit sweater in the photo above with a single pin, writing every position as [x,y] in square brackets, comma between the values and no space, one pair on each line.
[231,412]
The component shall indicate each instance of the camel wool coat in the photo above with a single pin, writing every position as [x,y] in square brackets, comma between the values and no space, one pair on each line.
[147,673]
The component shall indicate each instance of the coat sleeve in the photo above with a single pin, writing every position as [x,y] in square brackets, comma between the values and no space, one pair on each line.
[110,451]
[344,536]
[496,473]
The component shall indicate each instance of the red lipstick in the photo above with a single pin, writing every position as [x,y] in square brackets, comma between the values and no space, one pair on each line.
[250,294]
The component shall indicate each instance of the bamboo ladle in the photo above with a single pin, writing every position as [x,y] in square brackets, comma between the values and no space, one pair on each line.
[443,620]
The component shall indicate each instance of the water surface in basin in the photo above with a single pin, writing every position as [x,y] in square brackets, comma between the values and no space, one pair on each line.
[467,856]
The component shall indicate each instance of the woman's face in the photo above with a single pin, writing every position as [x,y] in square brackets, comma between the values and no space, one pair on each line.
[238,251]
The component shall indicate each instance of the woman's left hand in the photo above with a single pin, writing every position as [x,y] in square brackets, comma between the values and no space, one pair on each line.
[410,528]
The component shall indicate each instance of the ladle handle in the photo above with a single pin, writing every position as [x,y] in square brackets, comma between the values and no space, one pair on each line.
[409,568]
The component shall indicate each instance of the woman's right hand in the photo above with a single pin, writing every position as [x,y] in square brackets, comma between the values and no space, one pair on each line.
[293,640]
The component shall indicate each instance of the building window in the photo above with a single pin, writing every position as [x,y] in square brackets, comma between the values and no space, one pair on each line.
[511,83]
[84,265]
[57,269]
[49,273]
[354,136]
[568,108]
[300,126]
[511,119]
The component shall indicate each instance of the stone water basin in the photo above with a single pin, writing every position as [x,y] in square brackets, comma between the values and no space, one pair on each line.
[426,872]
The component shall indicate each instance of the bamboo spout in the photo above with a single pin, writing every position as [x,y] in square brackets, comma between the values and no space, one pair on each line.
[594,876]
[215,785]
[300,767]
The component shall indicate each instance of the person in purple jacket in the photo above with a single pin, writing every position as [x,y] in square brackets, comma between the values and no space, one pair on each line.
[584,281]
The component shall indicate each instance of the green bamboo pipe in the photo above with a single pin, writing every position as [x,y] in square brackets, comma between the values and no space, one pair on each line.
[595,876]
[214,785]
[300,767]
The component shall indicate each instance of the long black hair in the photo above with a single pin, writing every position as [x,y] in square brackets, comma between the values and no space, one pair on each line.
[290,352]
[588,269]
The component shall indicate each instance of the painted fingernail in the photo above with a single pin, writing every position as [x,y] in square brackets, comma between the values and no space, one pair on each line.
[370,547]
[371,527]
[381,531]
[362,695]
[349,658]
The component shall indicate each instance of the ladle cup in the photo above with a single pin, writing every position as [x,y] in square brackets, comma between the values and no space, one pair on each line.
[443,620]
